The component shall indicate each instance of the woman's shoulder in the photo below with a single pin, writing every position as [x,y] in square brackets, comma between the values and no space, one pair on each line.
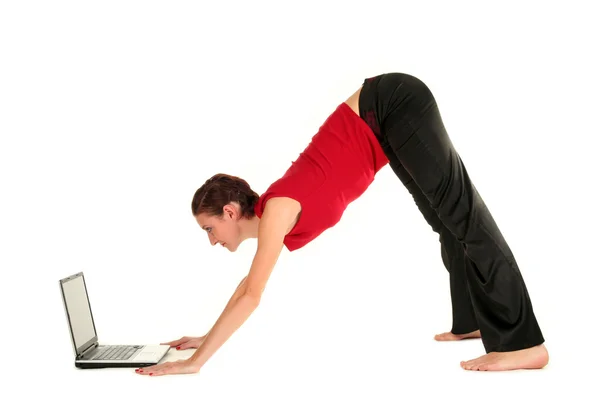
[287,209]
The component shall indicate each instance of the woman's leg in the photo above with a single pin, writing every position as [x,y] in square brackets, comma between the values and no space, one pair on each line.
[406,118]
[452,252]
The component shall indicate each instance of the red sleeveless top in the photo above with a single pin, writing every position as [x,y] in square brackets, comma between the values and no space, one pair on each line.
[337,166]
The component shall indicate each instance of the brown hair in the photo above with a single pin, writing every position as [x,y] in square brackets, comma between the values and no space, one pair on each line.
[220,190]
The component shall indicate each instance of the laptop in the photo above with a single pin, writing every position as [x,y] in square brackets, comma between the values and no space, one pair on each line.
[88,352]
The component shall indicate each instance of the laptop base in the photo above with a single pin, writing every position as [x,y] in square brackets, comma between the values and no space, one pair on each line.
[92,365]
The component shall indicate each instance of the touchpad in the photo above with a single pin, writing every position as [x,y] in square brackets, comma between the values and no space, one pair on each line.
[147,354]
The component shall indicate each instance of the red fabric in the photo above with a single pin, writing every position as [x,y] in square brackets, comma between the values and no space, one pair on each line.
[337,166]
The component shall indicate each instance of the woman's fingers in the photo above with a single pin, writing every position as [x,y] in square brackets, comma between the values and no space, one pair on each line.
[178,342]
[167,368]
[186,342]
[153,369]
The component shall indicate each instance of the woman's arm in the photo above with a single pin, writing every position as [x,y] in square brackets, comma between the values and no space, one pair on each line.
[275,223]
[238,292]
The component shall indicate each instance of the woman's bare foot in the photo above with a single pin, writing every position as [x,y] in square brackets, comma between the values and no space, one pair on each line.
[531,358]
[448,336]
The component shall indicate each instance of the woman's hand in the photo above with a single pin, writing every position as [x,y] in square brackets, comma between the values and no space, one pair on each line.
[187,342]
[180,366]
[170,368]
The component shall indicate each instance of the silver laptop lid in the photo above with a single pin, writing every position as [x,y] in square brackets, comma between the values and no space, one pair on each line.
[79,313]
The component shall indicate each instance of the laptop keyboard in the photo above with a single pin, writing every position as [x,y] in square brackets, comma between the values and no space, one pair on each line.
[115,352]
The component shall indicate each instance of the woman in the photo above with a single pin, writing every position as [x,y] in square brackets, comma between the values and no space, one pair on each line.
[391,119]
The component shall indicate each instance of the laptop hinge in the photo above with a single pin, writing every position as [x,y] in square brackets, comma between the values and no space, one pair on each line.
[92,346]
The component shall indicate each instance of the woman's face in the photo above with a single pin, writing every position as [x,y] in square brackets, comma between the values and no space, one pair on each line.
[222,230]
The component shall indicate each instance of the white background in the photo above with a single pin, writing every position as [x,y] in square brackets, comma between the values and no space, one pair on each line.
[113,113]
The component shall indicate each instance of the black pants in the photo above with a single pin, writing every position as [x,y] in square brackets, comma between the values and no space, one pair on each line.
[486,286]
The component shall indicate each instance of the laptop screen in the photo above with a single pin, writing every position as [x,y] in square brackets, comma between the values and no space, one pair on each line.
[78,309]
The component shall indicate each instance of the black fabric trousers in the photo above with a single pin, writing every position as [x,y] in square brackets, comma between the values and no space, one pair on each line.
[486,287]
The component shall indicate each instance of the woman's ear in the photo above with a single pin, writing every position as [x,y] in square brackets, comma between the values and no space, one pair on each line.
[230,211]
